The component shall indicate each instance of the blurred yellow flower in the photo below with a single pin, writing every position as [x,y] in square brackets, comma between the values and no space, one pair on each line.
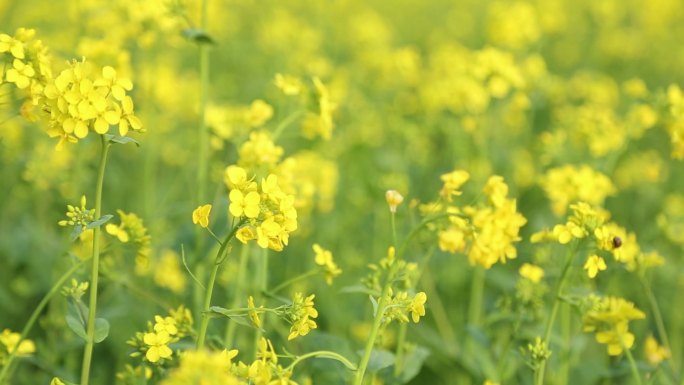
[594,264]
[532,272]
[200,216]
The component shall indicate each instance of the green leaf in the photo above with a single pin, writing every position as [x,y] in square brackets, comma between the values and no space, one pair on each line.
[101,330]
[78,229]
[198,36]
[379,359]
[238,316]
[76,326]
[103,219]
[413,362]
[121,139]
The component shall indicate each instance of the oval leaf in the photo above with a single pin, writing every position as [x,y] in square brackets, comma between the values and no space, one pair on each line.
[76,326]
[101,330]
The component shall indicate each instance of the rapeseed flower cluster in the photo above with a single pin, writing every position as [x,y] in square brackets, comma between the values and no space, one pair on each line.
[609,318]
[11,342]
[489,231]
[269,214]
[324,259]
[165,331]
[203,367]
[300,315]
[80,100]
[26,64]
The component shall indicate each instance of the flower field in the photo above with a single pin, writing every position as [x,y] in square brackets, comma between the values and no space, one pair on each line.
[244,192]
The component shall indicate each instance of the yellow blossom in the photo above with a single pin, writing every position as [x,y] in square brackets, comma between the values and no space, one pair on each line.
[324,258]
[452,183]
[655,354]
[165,324]
[157,346]
[200,216]
[417,306]
[393,199]
[594,264]
[244,204]
[532,272]
[11,341]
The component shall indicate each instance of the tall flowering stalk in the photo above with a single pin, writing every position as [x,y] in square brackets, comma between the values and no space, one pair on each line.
[80,101]
[262,212]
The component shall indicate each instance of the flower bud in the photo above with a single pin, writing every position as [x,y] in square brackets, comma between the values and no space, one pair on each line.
[394,199]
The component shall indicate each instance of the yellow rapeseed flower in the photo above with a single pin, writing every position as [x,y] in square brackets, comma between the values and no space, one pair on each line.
[532,272]
[417,306]
[594,264]
[200,215]
[157,346]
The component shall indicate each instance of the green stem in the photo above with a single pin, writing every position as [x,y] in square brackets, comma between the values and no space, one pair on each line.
[210,286]
[290,281]
[414,231]
[554,310]
[632,365]
[285,123]
[203,152]
[322,354]
[239,292]
[263,288]
[393,223]
[34,317]
[564,371]
[94,274]
[399,356]
[476,294]
[657,315]
[377,322]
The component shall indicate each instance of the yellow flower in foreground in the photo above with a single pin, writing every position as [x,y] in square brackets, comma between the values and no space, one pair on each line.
[158,348]
[201,215]
[203,367]
[488,382]
[532,272]
[417,306]
[244,204]
[594,264]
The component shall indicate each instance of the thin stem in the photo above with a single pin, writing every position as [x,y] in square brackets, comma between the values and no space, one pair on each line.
[322,354]
[239,292]
[34,317]
[399,355]
[203,152]
[632,365]
[414,231]
[290,281]
[377,322]
[263,288]
[210,286]
[393,223]
[556,304]
[285,123]
[476,294]
[94,274]
[657,315]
